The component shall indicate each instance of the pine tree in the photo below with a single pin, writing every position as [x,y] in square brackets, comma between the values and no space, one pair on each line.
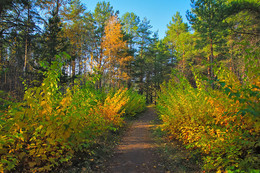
[207,18]
[144,40]
[130,26]
[178,38]
[73,30]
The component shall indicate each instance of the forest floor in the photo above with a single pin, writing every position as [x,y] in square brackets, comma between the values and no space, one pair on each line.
[140,147]
[145,149]
[137,150]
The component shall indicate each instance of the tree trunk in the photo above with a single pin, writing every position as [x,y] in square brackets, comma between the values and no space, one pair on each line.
[129,84]
[151,97]
[1,53]
[100,68]
[57,6]
[210,69]
[1,56]
[26,40]
[141,82]
[183,60]
[211,59]
[142,72]
[25,56]
[73,64]
[1,44]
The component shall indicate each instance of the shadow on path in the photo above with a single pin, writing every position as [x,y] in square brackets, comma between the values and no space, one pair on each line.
[136,152]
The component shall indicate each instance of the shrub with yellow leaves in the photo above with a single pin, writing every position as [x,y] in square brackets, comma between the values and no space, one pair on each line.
[221,123]
[49,127]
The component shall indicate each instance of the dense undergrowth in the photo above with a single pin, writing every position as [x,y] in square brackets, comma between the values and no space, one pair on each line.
[221,123]
[173,156]
[51,125]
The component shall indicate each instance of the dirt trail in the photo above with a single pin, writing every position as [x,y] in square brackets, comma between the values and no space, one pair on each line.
[136,152]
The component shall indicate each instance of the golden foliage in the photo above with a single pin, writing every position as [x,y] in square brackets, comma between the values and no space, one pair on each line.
[115,50]
[220,123]
[49,127]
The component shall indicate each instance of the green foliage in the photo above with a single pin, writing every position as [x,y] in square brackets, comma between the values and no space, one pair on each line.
[5,100]
[130,24]
[48,127]
[135,104]
[223,124]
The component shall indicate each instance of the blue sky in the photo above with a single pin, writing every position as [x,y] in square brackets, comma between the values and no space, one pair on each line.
[159,12]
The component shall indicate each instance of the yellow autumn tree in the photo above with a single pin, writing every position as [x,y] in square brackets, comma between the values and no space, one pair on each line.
[115,52]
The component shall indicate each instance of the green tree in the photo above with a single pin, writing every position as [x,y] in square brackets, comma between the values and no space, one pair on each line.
[130,26]
[53,40]
[31,20]
[244,30]
[73,30]
[206,18]
[144,39]
[178,38]
[102,13]
[18,26]
[158,67]
[10,24]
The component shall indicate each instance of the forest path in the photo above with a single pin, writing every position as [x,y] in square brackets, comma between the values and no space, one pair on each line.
[136,153]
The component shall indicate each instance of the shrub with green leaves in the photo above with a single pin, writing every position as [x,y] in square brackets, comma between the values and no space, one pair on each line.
[221,123]
[135,104]
[48,127]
